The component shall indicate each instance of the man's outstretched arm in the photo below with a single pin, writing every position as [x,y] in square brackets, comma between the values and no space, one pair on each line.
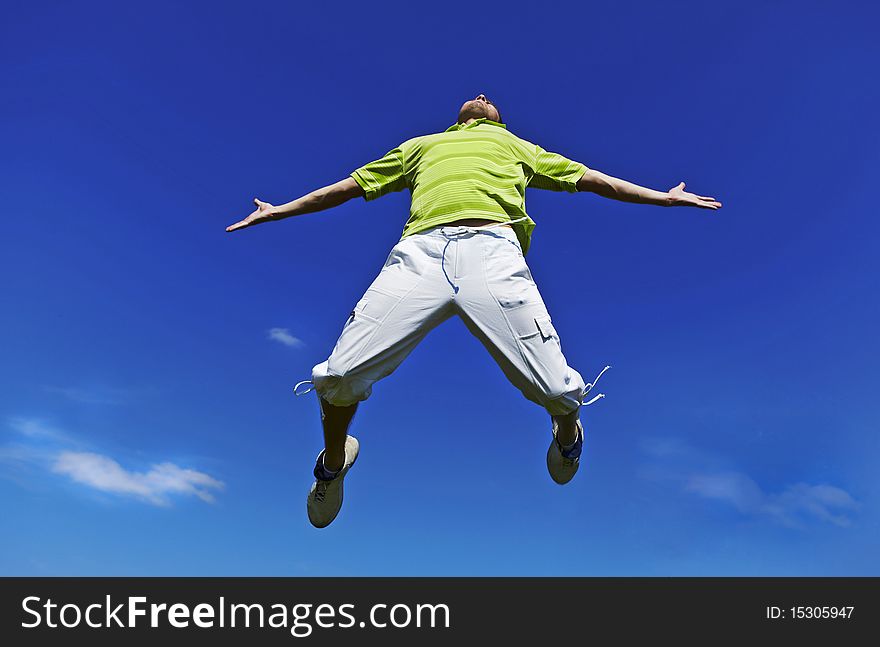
[318,200]
[617,189]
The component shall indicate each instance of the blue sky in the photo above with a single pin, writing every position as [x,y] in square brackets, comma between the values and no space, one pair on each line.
[147,425]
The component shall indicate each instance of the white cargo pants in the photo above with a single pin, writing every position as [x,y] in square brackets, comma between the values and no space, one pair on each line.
[478,274]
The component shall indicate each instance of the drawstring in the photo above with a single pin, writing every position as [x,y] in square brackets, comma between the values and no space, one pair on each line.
[590,386]
[587,388]
[469,230]
[443,266]
[297,391]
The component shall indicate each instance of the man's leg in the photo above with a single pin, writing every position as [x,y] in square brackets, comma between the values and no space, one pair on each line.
[406,300]
[335,421]
[566,428]
[501,305]
[404,303]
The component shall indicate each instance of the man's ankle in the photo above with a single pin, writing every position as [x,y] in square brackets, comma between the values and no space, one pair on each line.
[331,466]
[566,435]
[566,428]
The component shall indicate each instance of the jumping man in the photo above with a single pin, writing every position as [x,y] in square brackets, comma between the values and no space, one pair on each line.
[461,253]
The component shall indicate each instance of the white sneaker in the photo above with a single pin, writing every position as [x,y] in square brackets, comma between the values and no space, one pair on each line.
[325,496]
[564,465]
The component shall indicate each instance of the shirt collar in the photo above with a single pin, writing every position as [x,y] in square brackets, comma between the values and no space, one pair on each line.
[481,120]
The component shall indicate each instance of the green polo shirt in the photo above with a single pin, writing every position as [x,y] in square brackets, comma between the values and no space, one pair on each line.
[475,170]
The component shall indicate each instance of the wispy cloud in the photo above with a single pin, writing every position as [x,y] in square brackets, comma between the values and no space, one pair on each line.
[36,429]
[283,336]
[823,502]
[95,394]
[701,474]
[21,455]
[154,486]
[40,446]
[733,488]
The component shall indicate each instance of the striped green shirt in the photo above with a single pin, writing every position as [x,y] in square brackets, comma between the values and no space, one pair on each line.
[475,170]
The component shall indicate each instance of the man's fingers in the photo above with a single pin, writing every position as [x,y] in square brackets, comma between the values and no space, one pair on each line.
[692,199]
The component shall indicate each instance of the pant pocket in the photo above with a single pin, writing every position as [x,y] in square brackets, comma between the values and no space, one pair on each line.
[370,331]
[356,335]
[528,325]
[542,353]
[546,329]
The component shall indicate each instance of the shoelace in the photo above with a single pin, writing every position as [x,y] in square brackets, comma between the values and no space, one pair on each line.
[321,490]
[322,484]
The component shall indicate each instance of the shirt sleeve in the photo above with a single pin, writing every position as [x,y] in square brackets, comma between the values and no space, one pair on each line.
[554,172]
[382,175]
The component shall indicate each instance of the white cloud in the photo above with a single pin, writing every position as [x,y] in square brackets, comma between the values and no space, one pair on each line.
[677,461]
[283,336]
[734,488]
[21,455]
[36,429]
[95,394]
[40,446]
[163,479]
[665,447]
[824,502]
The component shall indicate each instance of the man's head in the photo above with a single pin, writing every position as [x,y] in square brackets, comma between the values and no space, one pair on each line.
[477,108]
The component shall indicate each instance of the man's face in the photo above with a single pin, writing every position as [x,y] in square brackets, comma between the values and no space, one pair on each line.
[478,107]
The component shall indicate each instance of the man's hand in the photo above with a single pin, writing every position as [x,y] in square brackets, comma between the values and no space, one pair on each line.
[678,197]
[611,187]
[262,213]
[318,200]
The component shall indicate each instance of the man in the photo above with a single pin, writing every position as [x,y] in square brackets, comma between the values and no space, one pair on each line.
[461,253]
